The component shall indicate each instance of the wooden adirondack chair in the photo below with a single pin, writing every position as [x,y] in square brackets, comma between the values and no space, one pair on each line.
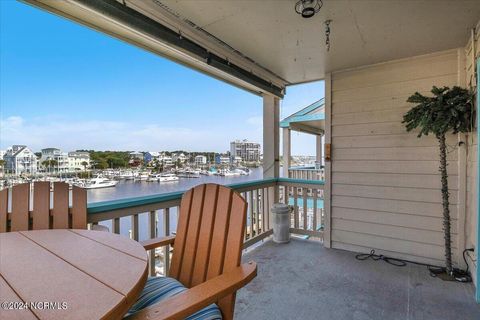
[206,255]
[42,216]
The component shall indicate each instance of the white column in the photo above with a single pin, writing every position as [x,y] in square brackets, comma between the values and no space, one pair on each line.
[286,150]
[319,148]
[271,138]
[328,164]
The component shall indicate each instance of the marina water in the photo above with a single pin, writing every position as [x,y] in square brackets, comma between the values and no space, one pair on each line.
[130,189]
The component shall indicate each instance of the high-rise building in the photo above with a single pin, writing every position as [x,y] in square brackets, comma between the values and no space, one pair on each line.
[246,150]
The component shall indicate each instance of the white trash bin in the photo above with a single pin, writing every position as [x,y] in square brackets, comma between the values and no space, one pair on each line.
[281,222]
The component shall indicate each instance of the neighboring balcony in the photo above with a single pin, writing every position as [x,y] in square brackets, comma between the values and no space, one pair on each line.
[313,172]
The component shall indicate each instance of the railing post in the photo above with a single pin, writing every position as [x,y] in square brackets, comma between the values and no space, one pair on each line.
[134,234]
[166,229]
[152,228]
[286,150]
[116,225]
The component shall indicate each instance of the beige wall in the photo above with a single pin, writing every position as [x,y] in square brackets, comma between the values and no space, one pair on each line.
[385,191]
[472,51]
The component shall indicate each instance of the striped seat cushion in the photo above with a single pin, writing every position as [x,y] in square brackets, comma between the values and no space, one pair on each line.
[160,288]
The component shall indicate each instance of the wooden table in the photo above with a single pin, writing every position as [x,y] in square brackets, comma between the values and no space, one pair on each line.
[81,274]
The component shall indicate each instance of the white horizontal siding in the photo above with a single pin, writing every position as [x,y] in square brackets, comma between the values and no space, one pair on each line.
[472,161]
[385,181]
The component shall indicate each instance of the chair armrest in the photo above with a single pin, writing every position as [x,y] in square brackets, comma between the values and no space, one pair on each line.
[157,242]
[194,299]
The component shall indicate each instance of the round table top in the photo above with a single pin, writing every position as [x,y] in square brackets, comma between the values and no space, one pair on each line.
[69,274]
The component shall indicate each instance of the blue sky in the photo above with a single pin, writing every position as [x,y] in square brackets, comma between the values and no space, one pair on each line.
[64,85]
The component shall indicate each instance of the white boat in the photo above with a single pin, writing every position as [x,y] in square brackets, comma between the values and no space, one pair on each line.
[142,176]
[242,171]
[154,178]
[98,182]
[168,177]
[226,173]
[127,175]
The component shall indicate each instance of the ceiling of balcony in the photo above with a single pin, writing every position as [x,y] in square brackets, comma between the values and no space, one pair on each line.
[362,32]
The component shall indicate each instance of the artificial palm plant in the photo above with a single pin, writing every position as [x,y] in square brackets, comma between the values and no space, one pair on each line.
[447,111]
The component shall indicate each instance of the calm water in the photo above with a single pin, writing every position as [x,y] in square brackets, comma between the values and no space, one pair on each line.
[129,188]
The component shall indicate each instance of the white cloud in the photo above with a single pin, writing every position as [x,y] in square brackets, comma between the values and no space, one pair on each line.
[105,135]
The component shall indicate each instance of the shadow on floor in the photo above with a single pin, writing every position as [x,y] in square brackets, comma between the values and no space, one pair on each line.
[303,280]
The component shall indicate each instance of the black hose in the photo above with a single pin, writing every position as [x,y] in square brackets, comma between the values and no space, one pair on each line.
[458,274]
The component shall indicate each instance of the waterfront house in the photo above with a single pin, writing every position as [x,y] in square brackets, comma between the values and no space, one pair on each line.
[200,160]
[78,160]
[381,187]
[19,159]
[166,159]
[181,157]
[54,160]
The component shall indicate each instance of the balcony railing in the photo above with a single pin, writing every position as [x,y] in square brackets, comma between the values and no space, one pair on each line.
[306,173]
[158,213]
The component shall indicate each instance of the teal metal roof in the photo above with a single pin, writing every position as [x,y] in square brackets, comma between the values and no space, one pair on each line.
[307,114]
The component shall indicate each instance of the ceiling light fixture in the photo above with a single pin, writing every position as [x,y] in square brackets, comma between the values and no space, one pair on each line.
[308,8]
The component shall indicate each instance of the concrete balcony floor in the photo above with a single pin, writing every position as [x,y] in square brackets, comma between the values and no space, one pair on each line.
[303,280]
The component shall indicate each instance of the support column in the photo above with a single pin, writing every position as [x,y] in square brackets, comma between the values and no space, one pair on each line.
[271,143]
[328,164]
[271,138]
[287,151]
[319,153]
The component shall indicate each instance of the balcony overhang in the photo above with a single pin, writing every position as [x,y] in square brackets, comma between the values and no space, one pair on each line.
[310,119]
[263,46]
[163,35]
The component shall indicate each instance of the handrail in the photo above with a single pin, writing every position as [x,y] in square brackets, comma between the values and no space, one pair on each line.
[305,197]
[300,181]
[127,203]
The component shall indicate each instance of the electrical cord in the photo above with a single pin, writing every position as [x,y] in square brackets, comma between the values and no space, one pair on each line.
[457,274]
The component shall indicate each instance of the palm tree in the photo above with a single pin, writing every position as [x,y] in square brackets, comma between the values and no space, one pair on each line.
[84,164]
[50,163]
[449,110]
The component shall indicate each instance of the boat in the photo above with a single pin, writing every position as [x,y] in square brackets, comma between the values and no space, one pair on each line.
[127,175]
[154,178]
[168,177]
[242,171]
[98,182]
[142,176]
[226,173]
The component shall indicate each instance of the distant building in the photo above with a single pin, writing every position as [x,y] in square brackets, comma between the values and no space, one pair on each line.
[166,160]
[221,159]
[237,160]
[179,157]
[60,158]
[151,156]
[19,160]
[246,150]
[200,160]
[136,155]
[77,159]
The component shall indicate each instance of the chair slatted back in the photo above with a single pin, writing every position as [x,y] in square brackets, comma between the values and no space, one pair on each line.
[209,238]
[42,216]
